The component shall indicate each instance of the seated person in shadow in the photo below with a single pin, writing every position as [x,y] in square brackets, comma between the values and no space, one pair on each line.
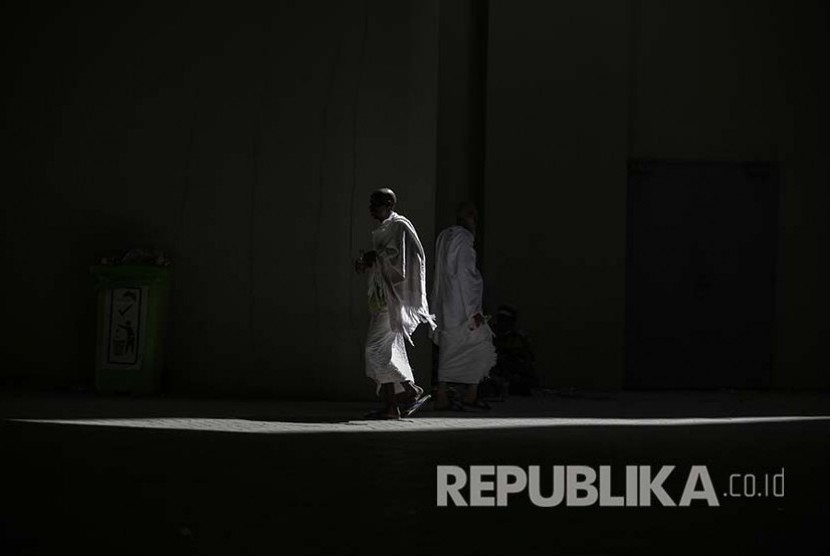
[514,373]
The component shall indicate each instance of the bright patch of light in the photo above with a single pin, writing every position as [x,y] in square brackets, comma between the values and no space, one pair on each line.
[420,424]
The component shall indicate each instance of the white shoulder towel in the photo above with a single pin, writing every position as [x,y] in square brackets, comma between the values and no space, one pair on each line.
[401,275]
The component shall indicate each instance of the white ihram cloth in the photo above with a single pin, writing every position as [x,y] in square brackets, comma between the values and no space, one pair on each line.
[397,300]
[466,352]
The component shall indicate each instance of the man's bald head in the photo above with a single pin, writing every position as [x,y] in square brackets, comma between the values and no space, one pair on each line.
[466,214]
[381,203]
[465,209]
[385,196]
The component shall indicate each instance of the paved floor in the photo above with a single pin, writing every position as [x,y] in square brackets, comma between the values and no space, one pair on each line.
[86,474]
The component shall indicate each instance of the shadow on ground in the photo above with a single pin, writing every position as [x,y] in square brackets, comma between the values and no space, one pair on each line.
[118,490]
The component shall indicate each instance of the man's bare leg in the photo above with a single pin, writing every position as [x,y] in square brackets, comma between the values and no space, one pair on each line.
[471,394]
[390,401]
[471,400]
[441,399]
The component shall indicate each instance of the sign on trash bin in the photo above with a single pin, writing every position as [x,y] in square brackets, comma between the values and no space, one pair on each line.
[125,314]
[132,314]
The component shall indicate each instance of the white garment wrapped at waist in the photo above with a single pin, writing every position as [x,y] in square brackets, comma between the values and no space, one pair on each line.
[386,359]
[465,356]
[466,352]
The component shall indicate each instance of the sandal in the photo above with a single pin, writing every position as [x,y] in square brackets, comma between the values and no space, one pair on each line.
[453,405]
[411,408]
[407,399]
[477,405]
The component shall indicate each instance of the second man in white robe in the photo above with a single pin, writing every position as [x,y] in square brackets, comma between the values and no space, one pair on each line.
[465,341]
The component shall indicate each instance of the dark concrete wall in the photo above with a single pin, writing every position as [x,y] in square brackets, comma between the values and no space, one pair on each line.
[244,140]
[577,88]
[555,181]
[461,108]
[739,81]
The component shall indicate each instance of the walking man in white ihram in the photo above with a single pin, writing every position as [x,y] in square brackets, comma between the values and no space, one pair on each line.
[397,305]
[464,339]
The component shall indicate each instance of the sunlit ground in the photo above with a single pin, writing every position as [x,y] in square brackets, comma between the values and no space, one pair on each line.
[216,477]
[419,424]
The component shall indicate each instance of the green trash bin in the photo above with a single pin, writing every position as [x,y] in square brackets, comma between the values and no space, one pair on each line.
[132,318]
